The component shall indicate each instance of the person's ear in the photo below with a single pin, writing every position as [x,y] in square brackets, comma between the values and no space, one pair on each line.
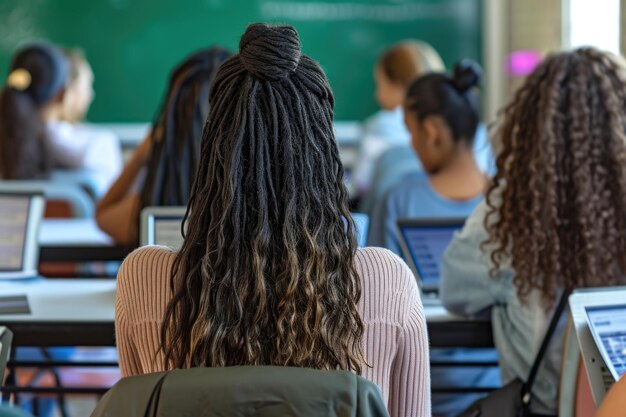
[59,97]
[431,132]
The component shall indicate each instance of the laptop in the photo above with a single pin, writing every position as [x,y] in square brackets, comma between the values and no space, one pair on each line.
[20,217]
[423,243]
[599,317]
[161,226]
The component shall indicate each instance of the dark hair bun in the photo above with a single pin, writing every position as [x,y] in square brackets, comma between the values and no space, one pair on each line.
[467,74]
[270,52]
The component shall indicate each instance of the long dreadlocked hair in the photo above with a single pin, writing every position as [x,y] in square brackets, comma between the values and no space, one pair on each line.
[178,129]
[557,207]
[266,275]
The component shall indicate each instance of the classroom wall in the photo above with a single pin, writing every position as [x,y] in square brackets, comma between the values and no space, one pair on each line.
[132,44]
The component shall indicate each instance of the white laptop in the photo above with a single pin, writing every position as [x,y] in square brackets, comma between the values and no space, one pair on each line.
[423,243]
[20,217]
[599,317]
[161,226]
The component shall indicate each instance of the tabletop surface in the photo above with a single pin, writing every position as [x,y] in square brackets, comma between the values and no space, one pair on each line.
[72,232]
[93,300]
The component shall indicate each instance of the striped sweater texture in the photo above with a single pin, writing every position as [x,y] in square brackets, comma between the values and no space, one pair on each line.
[395,341]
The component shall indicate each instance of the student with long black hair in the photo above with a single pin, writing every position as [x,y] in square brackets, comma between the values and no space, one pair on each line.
[269,272]
[161,170]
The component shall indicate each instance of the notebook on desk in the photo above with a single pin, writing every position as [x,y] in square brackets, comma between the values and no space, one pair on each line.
[599,317]
[423,243]
[20,217]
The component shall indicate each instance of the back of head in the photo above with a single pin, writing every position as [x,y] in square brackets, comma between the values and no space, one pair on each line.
[559,196]
[407,60]
[38,74]
[266,274]
[450,97]
[177,130]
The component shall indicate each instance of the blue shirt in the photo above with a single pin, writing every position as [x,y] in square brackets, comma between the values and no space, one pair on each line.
[413,196]
[518,328]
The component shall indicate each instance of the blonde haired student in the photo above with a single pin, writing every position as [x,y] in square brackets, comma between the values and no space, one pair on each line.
[396,68]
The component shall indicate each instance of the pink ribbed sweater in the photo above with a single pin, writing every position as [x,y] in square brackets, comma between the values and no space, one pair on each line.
[395,340]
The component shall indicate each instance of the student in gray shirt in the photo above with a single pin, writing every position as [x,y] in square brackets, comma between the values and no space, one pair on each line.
[555,215]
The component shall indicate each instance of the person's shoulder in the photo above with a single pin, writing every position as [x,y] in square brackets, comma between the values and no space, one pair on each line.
[412,185]
[382,271]
[144,266]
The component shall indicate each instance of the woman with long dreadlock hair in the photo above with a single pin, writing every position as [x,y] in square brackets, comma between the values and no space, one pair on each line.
[269,272]
[162,168]
[555,214]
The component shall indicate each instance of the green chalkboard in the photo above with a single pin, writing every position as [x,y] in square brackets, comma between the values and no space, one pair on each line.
[132,44]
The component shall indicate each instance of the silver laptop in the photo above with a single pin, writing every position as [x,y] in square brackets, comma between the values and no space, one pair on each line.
[599,317]
[423,243]
[161,226]
[20,217]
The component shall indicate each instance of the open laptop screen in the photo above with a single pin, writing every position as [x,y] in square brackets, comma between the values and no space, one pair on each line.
[14,210]
[608,327]
[426,245]
[167,231]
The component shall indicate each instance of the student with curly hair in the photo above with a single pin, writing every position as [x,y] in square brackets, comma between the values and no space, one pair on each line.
[269,272]
[555,214]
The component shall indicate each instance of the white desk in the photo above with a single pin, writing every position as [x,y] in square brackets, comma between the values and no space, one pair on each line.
[77,240]
[72,232]
[80,312]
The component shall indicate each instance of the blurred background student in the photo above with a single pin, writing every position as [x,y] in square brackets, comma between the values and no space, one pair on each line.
[555,214]
[34,140]
[396,68]
[442,115]
[161,170]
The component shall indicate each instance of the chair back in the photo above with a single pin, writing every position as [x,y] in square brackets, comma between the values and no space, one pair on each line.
[260,391]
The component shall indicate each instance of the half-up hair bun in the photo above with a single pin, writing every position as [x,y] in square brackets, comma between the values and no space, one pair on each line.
[467,74]
[270,52]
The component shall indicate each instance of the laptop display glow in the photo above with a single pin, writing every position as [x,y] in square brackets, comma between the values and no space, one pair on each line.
[608,327]
[14,211]
[424,243]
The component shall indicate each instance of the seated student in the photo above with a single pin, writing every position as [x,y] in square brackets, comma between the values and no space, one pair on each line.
[442,116]
[555,215]
[395,70]
[80,145]
[32,143]
[269,272]
[161,170]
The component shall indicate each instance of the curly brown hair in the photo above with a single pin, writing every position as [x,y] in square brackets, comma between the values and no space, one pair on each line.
[557,206]
[266,273]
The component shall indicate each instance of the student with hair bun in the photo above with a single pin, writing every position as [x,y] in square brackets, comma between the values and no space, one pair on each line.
[441,113]
[269,272]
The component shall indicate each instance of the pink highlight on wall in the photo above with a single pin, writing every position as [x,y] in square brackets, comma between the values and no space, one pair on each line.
[521,63]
